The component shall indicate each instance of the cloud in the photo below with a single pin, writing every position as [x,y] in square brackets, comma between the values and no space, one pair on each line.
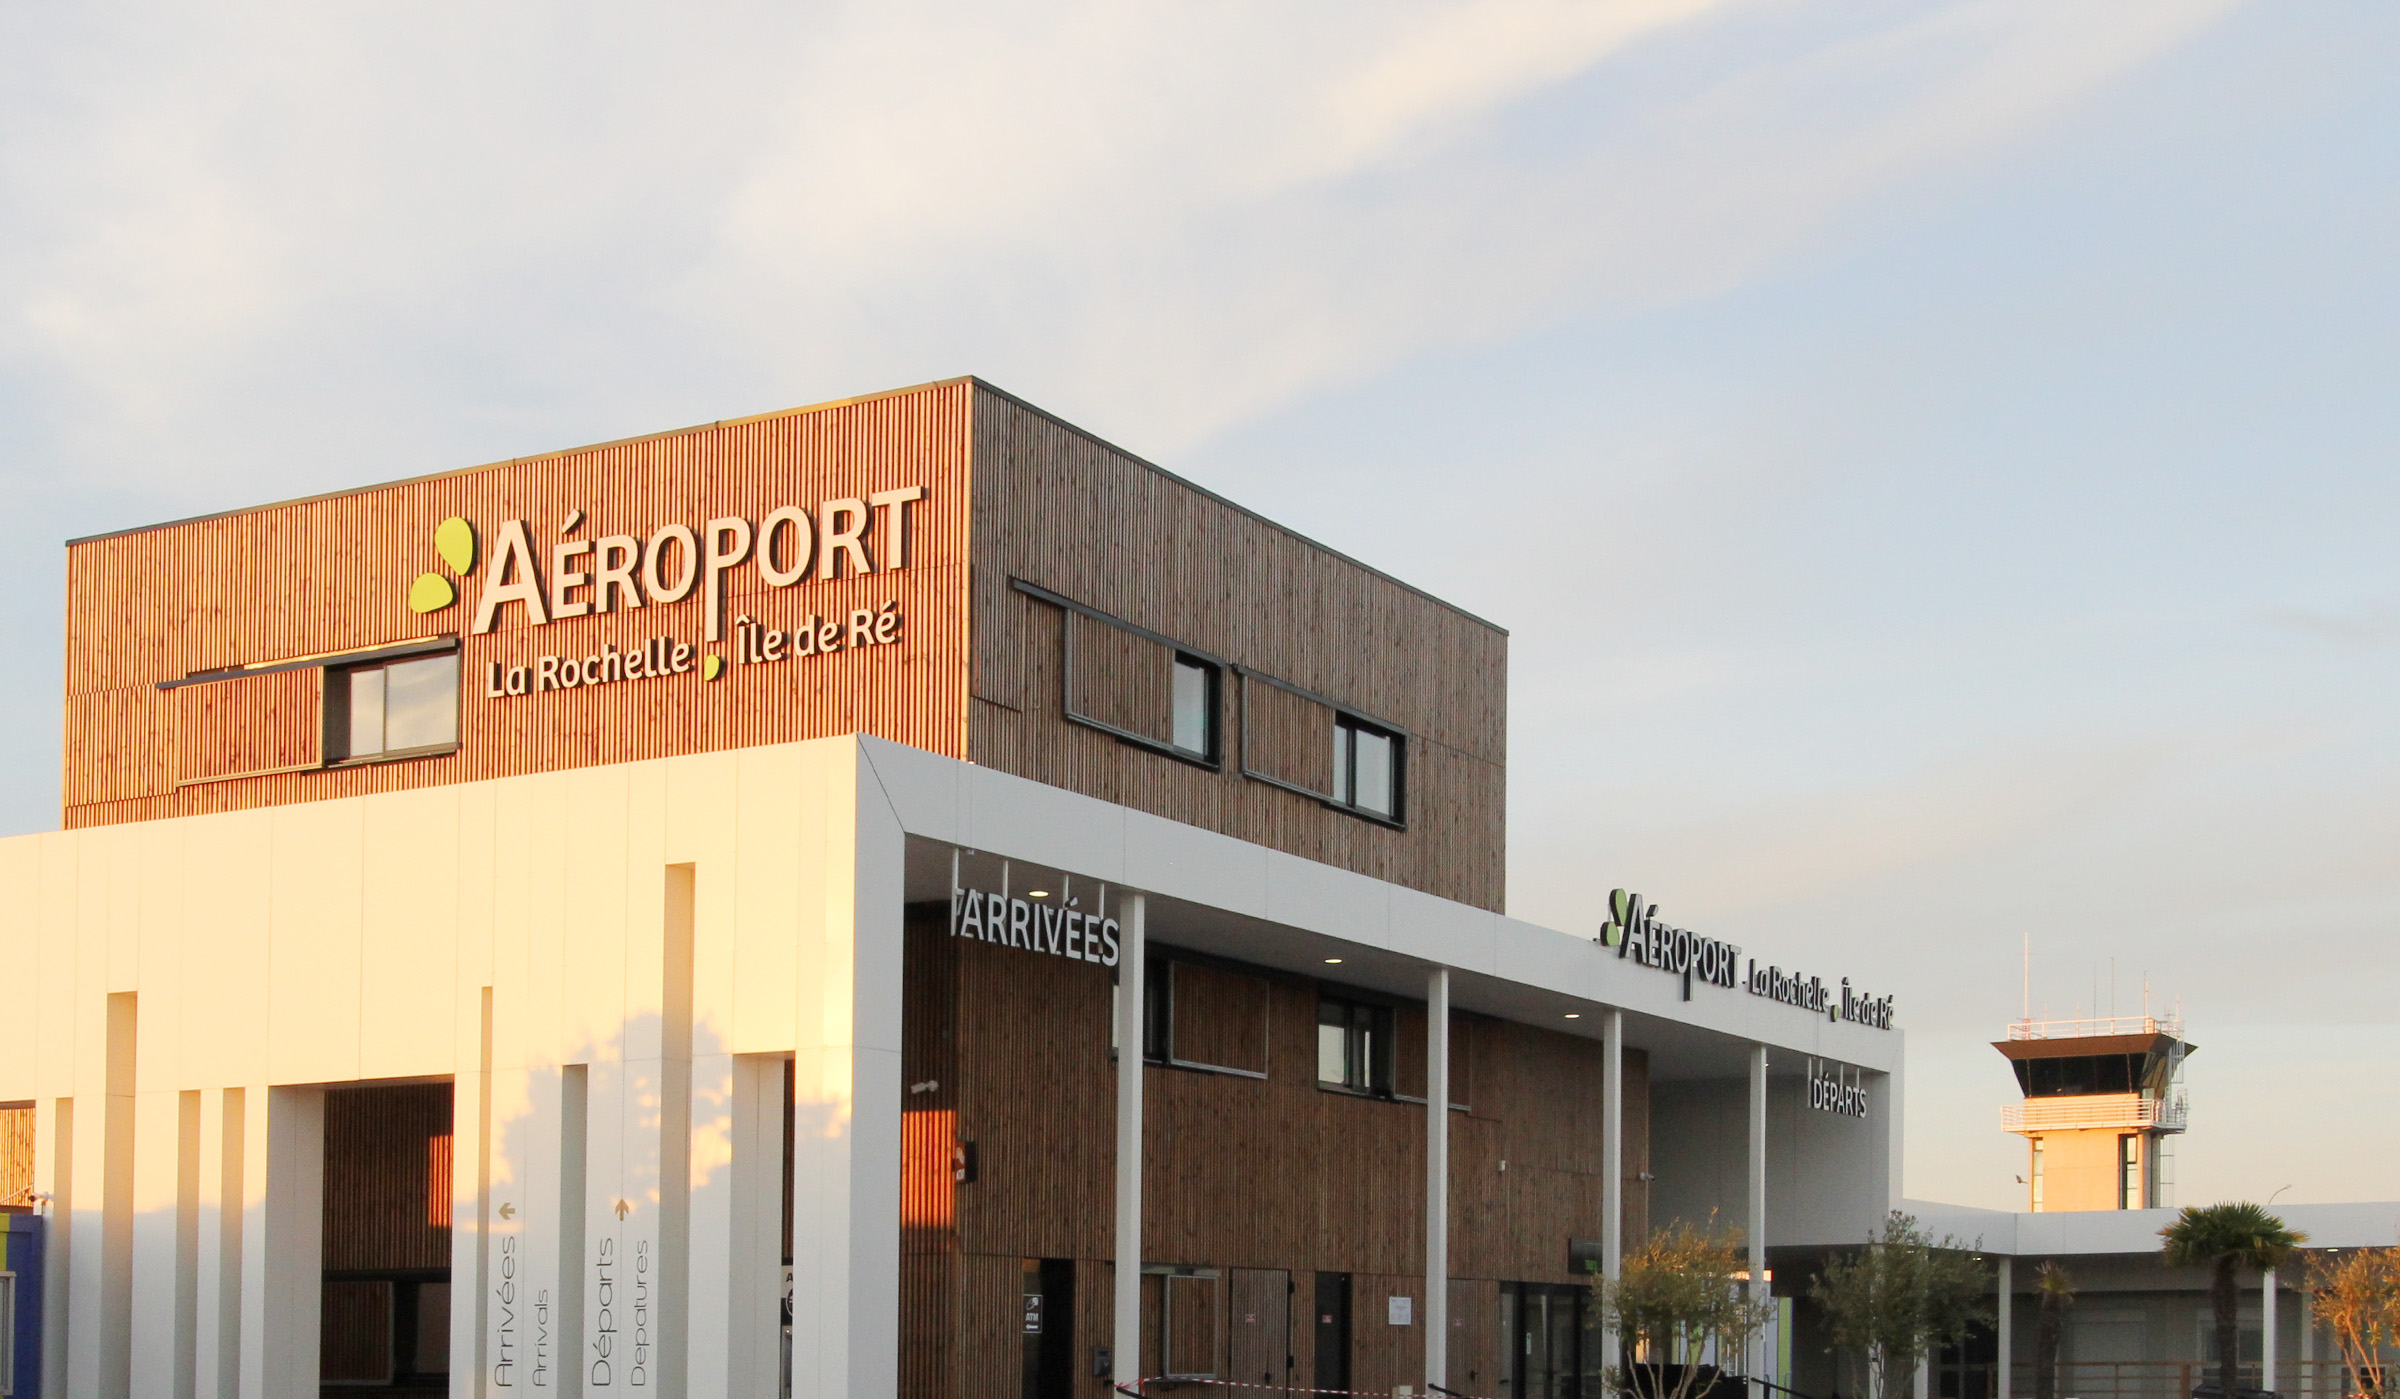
[2377,625]
[241,234]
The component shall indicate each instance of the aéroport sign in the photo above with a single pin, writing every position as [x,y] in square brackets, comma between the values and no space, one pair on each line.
[626,573]
[1636,932]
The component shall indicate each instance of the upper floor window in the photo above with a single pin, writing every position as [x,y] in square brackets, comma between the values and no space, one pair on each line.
[1354,1046]
[1366,767]
[1195,703]
[1147,689]
[391,708]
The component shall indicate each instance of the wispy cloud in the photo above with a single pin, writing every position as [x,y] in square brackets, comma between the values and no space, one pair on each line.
[1175,217]
[2373,625]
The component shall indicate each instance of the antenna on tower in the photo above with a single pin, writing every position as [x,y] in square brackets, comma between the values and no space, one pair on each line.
[2028,1011]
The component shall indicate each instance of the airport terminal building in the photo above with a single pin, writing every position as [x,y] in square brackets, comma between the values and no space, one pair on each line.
[894,898]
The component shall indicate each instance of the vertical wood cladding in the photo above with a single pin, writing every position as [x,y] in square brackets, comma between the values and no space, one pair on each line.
[16,1153]
[1068,512]
[387,1177]
[334,574]
[1011,493]
[1246,1176]
[257,725]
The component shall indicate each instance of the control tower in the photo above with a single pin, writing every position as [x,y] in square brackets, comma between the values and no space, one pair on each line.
[2102,1097]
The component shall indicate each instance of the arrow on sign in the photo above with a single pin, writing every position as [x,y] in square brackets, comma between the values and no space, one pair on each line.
[623,1209]
[508,1211]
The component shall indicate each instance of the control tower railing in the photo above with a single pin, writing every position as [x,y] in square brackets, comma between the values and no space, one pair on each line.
[2109,1025]
[2125,1110]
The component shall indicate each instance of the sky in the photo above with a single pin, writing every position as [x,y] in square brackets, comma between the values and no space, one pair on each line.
[1934,457]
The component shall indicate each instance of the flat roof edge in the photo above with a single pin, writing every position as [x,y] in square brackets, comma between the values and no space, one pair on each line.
[1234,505]
[517,461]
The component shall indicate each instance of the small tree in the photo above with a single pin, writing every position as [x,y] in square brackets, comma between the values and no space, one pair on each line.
[2055,1292]
[2228,1238]
[2357,1297]
[1900,1297]
[1677,1294]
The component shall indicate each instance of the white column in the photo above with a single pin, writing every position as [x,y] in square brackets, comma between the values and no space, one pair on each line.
[217,1275]
[529,1341]
[470,1187]
[100,1298]
[1756,1226]
[54,1178]
[1612,1163]
[1925,1376]
[165,1219]
[2266,1330]
[2008,1299]
[1126,1356]
[2308,1344]
[737,1225]
[283,1245]
[846,1103]
[1437,1176]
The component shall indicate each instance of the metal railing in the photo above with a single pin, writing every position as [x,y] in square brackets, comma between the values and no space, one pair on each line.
[2145,1379]
[2093,1110]
[2106,1025]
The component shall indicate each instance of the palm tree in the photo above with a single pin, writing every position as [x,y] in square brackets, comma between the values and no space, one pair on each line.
[2057,1293]
[2228,1238]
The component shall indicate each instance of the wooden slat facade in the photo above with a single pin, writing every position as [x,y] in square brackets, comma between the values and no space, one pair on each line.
[976,671]
[1072,514]
[334,574]
[16,1155]
[387,1178]
[1273,1174]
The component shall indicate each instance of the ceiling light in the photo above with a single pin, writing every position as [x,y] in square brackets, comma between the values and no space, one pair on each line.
[1574,1015]
[1333,961]
[1037,893]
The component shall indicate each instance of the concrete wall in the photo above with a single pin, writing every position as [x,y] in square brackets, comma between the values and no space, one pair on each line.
[628,950]
[1829,1176]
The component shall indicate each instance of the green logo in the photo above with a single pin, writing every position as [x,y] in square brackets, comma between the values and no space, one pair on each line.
[1624,911]
[454,540]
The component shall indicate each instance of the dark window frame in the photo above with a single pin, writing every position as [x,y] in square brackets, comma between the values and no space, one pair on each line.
[1378,1069]
[1158,1012]
[1343,714]
[1346,729]
[393,651]
[1214,759]
[334,719]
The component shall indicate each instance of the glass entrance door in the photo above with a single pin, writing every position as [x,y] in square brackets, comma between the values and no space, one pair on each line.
[1548,1322]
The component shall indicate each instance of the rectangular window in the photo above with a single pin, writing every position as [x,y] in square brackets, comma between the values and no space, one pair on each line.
[391,709]
[1146,689]
[1218,1019]
[1196,707]
[2129,1172]
[2037,1175]
[1354,1047]
[1366,767]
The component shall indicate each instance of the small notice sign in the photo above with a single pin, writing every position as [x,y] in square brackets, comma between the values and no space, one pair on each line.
[1033,1313]
[1403,1310]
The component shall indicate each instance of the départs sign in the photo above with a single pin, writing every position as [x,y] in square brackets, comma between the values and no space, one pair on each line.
[1836,1088]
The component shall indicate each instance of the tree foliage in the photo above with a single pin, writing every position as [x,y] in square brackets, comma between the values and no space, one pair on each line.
[1901,1296]
[2055,1292]
[2227,1239]
[1683,1290]
[2357,1297]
